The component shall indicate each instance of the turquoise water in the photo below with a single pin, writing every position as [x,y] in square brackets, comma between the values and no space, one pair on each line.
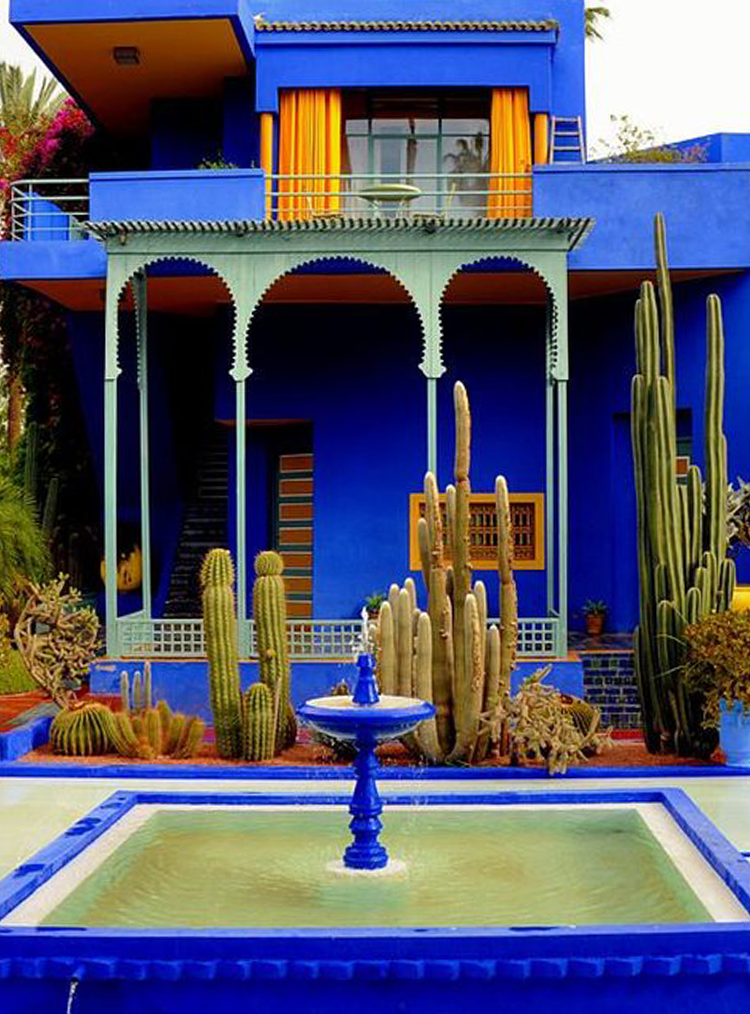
[255,868]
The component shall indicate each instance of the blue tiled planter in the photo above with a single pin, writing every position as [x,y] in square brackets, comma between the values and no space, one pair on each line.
[734,732]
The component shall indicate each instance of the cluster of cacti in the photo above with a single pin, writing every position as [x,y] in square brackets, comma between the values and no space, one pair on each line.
[269,613]
[262,723]
[220,632]
[447,655]
[544,725]
[148,732]
[141,731]
[684,573]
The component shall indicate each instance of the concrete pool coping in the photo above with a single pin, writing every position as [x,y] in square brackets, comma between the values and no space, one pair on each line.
[251,772]
[435,971]
[725,860]
[719,901]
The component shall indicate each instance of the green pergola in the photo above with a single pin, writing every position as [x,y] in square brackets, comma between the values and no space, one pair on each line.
[421,254]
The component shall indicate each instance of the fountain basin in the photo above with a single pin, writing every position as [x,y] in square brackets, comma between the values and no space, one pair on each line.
[388,718]
[413,966]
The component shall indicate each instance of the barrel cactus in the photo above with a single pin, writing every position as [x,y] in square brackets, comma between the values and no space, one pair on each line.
[269,613]
[82,730]
[220,631]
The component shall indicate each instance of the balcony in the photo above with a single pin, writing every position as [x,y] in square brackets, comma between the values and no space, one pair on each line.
[56,210]
[49,210]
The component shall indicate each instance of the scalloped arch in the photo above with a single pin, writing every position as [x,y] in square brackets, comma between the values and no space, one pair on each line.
[181,258]
[552,341]
[304,261]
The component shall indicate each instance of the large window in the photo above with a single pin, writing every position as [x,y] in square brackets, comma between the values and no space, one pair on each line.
[436,143]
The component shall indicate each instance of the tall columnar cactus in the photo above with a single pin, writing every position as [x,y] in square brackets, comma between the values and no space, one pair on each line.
[454,661]
[269,612]
[683,570]
[258,723]
[220,631]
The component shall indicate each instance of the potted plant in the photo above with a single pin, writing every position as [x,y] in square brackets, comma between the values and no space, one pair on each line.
[595,611]
[373,602]
[719,669]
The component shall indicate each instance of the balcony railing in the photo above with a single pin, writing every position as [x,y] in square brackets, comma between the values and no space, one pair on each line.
[309,640]
[450,195]
[49,209]
[56,209]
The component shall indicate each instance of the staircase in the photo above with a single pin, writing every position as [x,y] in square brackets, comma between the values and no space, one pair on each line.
[204,525]
[567,139]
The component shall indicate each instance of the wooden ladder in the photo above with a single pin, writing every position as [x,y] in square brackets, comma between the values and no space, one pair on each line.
[567,139]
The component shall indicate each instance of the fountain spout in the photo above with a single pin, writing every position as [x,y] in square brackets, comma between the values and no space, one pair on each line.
[367,719]
[366,690]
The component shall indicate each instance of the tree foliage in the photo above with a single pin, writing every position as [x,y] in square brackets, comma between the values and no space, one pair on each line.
[594,18]
[23,550]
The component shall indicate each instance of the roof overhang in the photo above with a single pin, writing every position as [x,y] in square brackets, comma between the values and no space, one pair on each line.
[184,51]
[569,232]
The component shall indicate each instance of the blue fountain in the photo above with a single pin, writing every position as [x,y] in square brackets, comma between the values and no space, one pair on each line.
[365,719]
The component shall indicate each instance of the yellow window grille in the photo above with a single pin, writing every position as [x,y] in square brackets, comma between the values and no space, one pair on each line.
[527,518]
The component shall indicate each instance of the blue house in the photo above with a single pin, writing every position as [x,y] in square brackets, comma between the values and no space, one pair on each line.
[396,196]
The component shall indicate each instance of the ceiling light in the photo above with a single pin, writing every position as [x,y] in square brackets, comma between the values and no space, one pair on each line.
[126,56]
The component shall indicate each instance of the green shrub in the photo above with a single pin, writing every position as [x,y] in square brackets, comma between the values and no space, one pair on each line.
[719,661]
[14,677]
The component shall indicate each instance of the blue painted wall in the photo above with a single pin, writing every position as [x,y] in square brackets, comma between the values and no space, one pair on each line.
[602,516]
[706,207]
[353,373]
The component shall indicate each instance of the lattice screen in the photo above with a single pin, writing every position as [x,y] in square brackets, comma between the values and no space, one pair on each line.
[527,518]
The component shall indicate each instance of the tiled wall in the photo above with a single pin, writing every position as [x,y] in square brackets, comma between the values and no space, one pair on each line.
[609,682]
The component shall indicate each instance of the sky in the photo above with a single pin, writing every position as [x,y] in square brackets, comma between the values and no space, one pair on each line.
[677,68]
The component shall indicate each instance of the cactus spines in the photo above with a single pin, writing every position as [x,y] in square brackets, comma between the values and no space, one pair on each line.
[470,696]
[508,590]
[269,612]
[124,739]
[83,730]
[165,715]
[386,650]
[682,566]
[404,644]
[220,630]
[441,616]
[124,691]
[191,739]
[147,688]
[258,723]
[427,732]
[137,691]
[153,730]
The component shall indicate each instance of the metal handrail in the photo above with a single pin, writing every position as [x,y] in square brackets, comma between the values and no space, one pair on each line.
[48,206]
[457,194]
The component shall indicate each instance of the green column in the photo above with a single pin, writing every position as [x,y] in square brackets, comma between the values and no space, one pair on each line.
[141,311]
[549,492]
[562,510]
[111,373]
[241,431]
[432,425]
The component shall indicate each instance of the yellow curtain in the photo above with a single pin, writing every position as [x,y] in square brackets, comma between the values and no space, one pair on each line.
[510,154]
[309,146]
[541,139]
[266,156]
